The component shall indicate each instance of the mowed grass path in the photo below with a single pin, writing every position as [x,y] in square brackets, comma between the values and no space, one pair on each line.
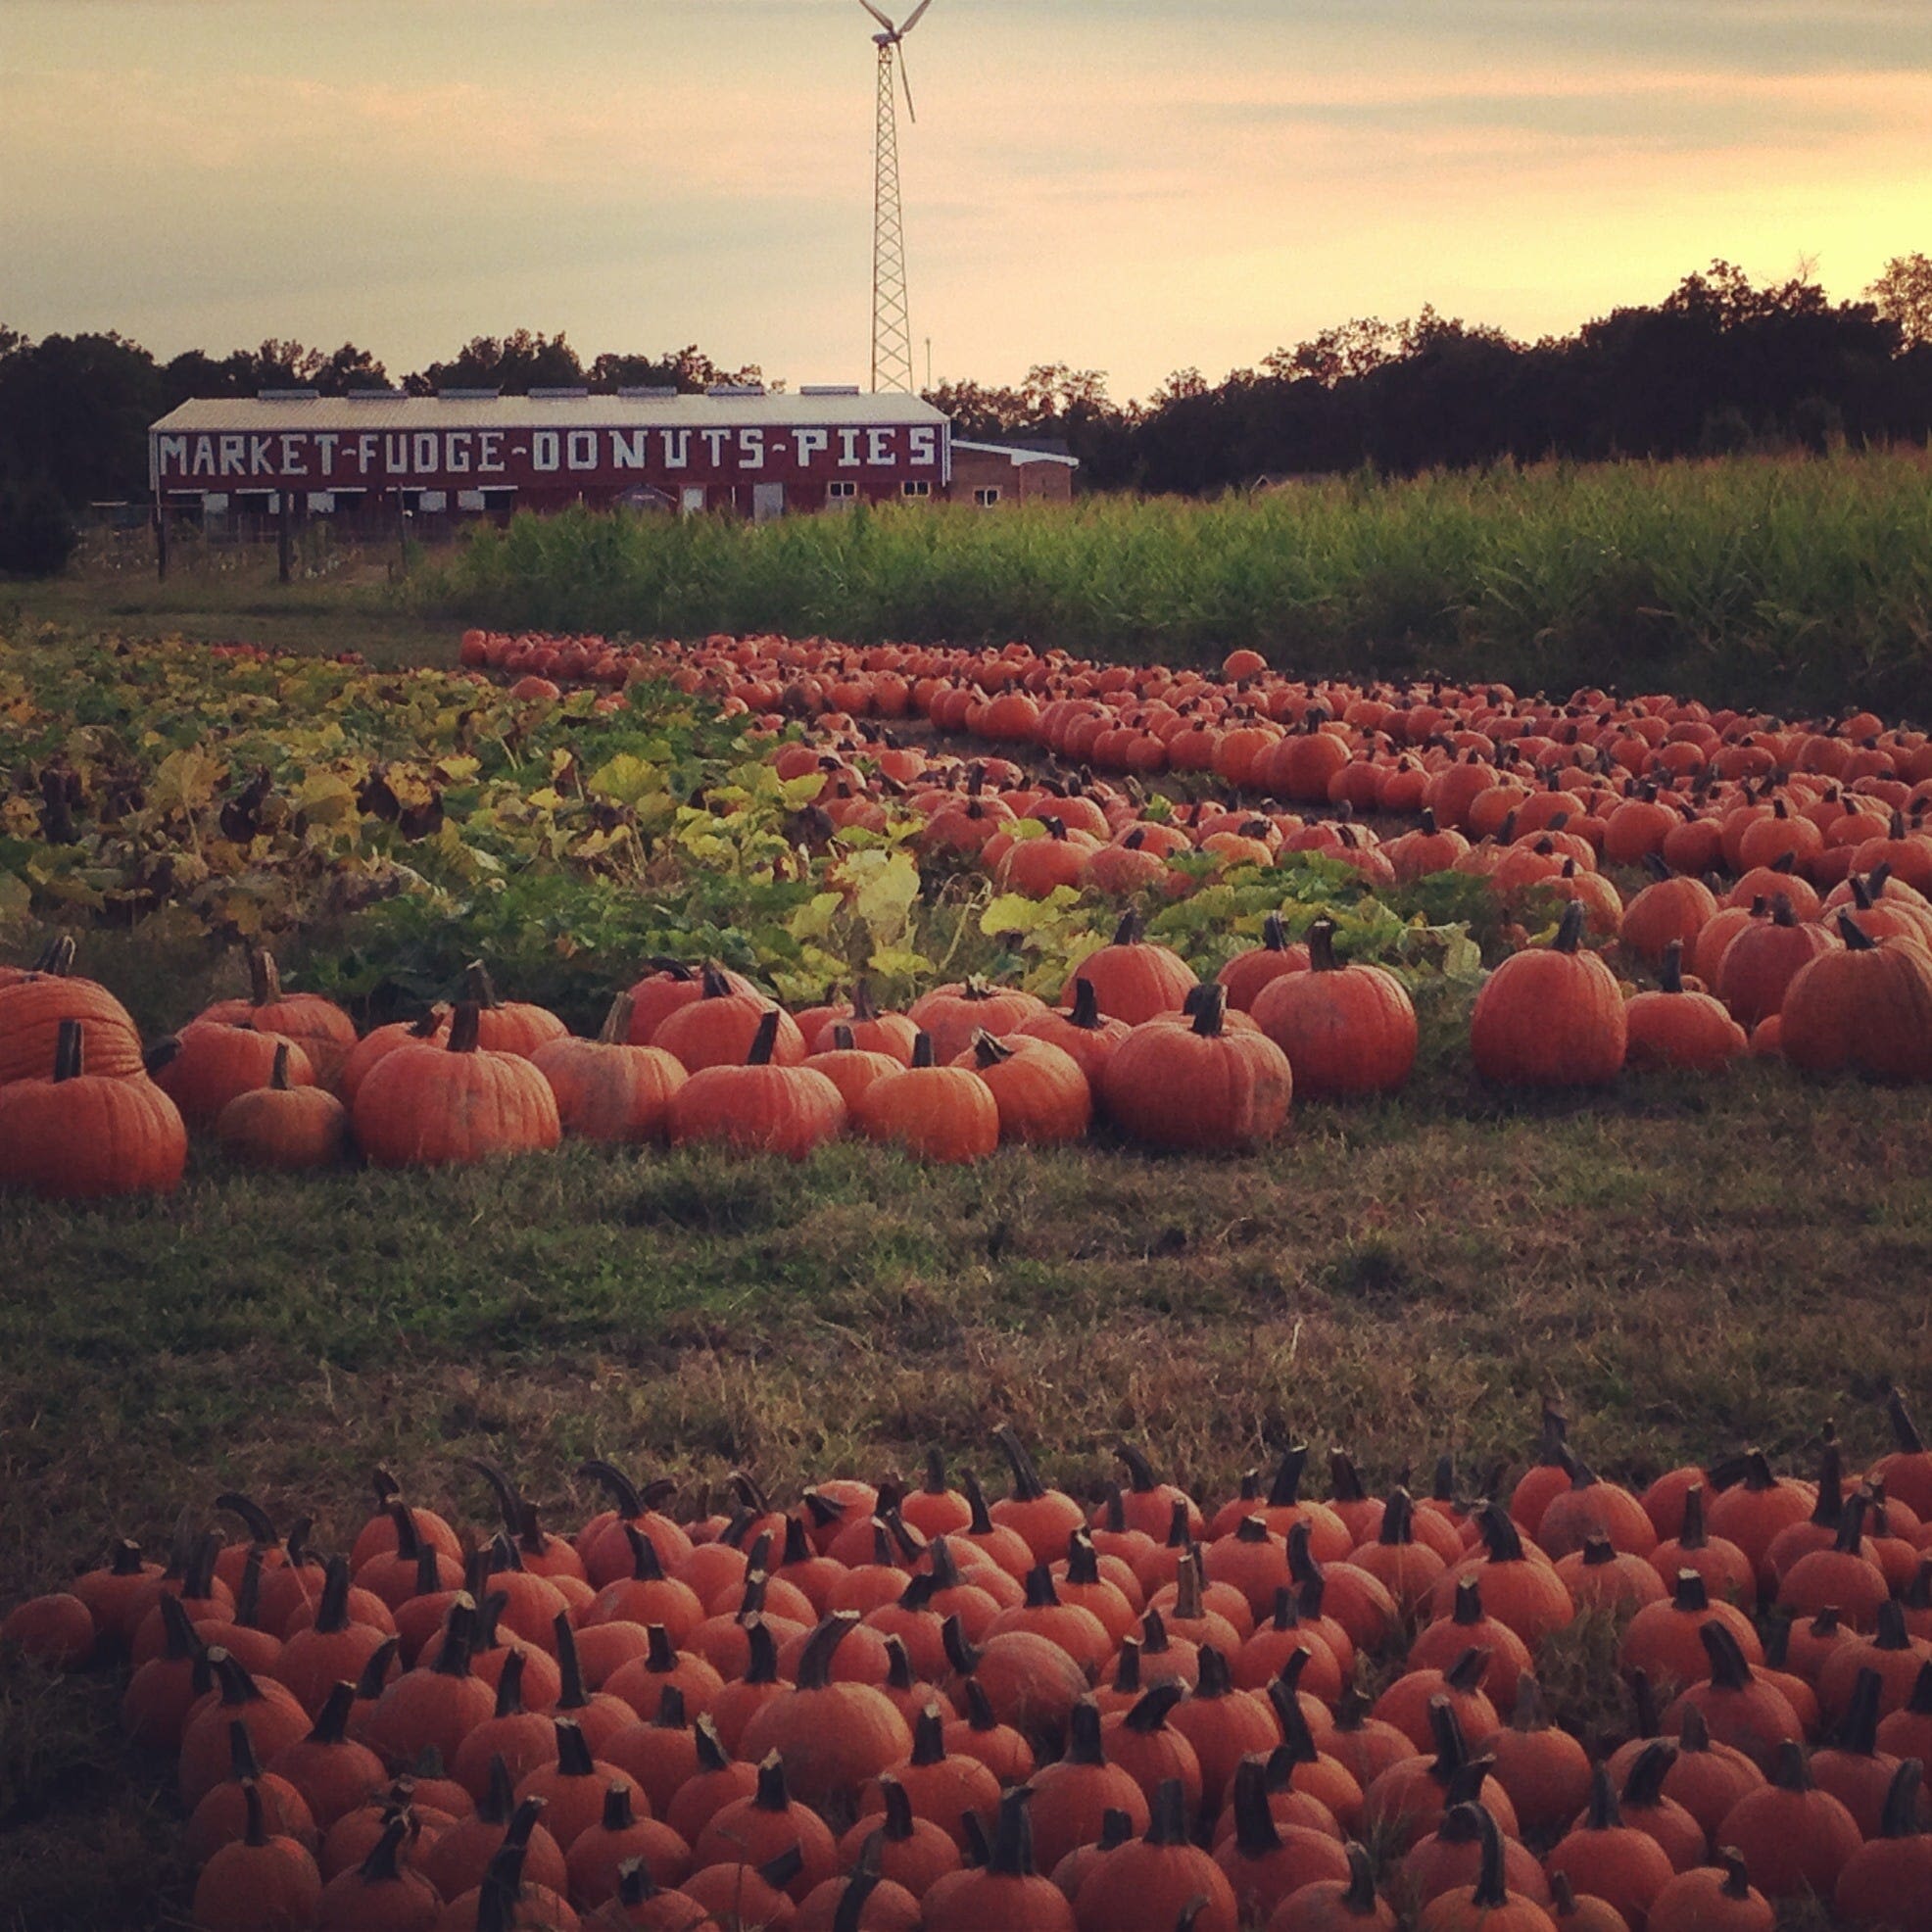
[1692,1267]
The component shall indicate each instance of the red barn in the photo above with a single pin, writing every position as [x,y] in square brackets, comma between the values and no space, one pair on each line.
[372,452]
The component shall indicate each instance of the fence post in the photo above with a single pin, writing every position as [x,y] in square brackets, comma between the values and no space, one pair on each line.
[159,537]
[284,534]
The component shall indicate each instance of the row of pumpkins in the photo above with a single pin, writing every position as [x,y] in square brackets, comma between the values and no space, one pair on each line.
[282,1080]
[900,1706]
[1649,778]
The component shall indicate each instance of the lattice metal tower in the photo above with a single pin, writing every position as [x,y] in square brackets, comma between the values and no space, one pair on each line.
[891,326]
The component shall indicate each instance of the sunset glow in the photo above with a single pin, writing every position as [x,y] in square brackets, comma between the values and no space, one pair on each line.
[1130,185]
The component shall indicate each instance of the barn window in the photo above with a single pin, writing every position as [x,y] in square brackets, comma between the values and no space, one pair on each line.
[987,498]
[915,486]
[841,491]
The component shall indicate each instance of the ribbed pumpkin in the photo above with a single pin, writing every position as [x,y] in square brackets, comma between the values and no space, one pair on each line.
[1199,1088]
[848,1067]
[381,1042]
[284,1127]
[1149,1884]
[832,1736]
[659,994]
[218,1060]
[508,1026]
[424,1105]
[1674,1028]
[609,1089]
[952,1014]
[1086,1035]
[318,1025]
[1247,975]
[1004,1890]
[1760,964]
[261,1882]
[1888,1880]
[1346,1029]
[1609,1859]
[1552,1017]
[762,1106]
[32,1007]
[719,1028]
[1041,1094]
[1794,1837]
[1072,1795]
[1489,1905]
[1336,1904]
[1867,1008]
[939,1113]
[72,1136]
[873,1031]
[1133,978]
[1716,1898]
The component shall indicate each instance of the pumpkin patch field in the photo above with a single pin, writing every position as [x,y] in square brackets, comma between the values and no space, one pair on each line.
[634,1279]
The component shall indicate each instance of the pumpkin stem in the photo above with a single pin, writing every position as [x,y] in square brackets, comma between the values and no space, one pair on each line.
[375,1672]
[1286,1491]
[1321,948]
[1027,1485]
[1012,1843]
[465,1027]
[1256,1835]
[380,1867]
[478,988]
[1857,1730]
[616,1028]
[1902,1424]
[764,1039]
[922,1049]
[1491,1894]
[1569,933]
[1150,1713]
[844,1041]
[1899,1818]
[1214,1003]
[69,1059]
[1644,1787]
[1729,1668]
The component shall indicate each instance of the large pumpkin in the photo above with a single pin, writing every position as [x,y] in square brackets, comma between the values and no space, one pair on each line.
[318,1025]
[1132,979]
[76,1136]
[760,1106]
[219,1060]
[606,1089]
[939,1113]
[1346,1030]
[1552,1017]
[1199,1089]
[33,1006]
[1867,1008]
[425,1105]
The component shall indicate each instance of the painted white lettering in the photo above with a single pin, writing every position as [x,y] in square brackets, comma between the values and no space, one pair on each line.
[365,452]
[921,445]
[171,455]
[456,452]
[580,448]
[260,462]
[295,455]
[879,445]
[325,442]
[545,446]
[203,463]
[847,449]
[750,449]
[810,443]
[629,450]
[490,451]
[396,454]
[426,451]
[715,442]
[677,448]
[233,455]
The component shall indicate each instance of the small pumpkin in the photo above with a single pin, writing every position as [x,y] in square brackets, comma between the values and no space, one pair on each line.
[284,1127]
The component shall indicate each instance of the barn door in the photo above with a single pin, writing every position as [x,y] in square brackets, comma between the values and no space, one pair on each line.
[767,502]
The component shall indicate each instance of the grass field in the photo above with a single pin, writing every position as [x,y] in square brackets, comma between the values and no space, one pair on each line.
[1693,1266]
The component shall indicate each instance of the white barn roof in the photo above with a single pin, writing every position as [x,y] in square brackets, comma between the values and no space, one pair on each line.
[472,409]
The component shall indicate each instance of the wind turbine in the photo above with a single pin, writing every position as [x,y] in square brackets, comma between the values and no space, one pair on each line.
[892,330]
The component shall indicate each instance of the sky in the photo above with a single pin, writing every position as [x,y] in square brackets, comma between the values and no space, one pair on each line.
[1135,186]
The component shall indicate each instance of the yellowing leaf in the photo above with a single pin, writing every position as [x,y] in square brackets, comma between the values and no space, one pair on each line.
[813,919]
[887,886]
[1015,912]
[546,800]
[802,789]
[891,962]
[16,898]
[625,779]
[184,780]
[327,799]
[459,770]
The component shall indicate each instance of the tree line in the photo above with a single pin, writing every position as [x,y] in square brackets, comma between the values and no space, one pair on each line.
[1718,365]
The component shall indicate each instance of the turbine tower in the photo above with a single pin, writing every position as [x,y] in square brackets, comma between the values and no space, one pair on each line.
[891,328]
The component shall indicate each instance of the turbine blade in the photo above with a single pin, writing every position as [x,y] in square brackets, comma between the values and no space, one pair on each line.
[907,85]
[878,16]
[912,18]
